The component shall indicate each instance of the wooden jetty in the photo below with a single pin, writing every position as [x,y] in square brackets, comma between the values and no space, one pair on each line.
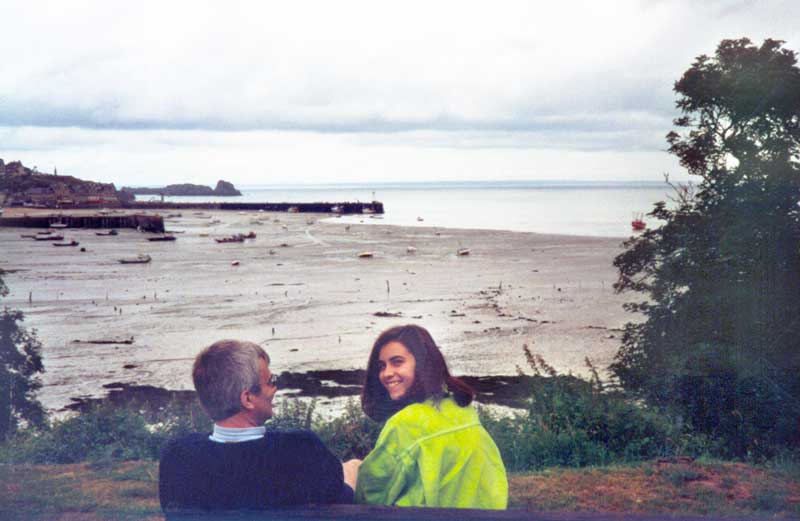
[150,223]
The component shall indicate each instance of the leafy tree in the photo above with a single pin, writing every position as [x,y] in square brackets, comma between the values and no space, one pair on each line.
[720,340]
[20,361]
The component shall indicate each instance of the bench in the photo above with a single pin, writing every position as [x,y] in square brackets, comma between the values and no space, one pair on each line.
[372,513]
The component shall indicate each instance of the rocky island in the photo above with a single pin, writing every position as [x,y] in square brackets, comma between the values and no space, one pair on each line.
[223,189]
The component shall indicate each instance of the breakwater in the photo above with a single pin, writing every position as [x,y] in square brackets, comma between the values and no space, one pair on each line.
[149,223]
[321,207]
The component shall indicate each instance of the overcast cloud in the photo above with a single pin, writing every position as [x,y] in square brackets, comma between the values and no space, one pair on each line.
[268,92]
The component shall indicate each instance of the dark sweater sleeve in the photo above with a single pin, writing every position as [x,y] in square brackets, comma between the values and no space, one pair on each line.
[313,473]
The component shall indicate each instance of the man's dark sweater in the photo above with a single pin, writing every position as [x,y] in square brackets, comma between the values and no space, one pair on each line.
[280,469]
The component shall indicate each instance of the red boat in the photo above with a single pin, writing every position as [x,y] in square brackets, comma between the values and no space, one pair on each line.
[638,223]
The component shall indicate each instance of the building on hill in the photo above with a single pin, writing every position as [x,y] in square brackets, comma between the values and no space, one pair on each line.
[25,187]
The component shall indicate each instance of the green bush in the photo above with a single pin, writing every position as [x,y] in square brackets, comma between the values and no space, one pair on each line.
[575,422]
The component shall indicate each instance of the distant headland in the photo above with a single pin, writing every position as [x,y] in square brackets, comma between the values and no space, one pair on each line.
[223,189]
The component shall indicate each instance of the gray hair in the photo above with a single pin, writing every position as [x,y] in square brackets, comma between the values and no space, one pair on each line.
[222,371]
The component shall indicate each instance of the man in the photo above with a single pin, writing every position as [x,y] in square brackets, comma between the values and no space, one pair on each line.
[240,465]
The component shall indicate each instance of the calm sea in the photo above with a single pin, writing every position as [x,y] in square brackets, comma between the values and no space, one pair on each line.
[571,208]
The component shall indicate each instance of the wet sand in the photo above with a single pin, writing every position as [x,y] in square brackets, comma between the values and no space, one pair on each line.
[301,291]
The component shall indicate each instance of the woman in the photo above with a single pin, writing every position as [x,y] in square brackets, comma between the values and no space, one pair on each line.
[432,450]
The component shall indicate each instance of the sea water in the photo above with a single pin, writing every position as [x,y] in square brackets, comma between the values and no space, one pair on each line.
[597,208]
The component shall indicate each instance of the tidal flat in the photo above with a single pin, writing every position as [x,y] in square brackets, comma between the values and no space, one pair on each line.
[300,290]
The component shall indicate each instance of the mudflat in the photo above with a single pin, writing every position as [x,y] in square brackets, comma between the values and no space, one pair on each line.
[302,291]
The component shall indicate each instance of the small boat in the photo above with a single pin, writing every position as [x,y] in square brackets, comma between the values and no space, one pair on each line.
[462,252]
[336,209]
[235,263]
[139,259]
[49,238]
[411,249]
[420,219]
[251,235]
[367,210]
[293,209]
[310,222]
[202,235]
[109,232]
[58,225]
[46,232]
[233,238]
[71,243]
[161,238]
[638,223]
[366,254]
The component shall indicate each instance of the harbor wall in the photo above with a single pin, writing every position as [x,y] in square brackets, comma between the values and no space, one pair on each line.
[320,207]
[150,223]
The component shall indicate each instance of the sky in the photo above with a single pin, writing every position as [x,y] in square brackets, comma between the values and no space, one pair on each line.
[256,92]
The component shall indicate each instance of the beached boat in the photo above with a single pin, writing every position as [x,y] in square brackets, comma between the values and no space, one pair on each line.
[411,249]
[71,243]
[366,254]
[161,238]
[139,259]
[233,238]
[462,252]
[251,235]
[109,232]
[49,238]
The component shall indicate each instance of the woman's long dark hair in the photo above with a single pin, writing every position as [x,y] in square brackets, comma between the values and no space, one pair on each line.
[431,376]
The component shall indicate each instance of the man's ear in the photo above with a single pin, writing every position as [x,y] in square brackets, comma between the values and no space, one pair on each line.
[245,399]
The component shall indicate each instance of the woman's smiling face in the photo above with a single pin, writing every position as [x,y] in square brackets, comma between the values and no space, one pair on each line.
[396,367]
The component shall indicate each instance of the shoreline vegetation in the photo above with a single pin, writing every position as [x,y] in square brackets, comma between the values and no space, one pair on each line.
[578,446]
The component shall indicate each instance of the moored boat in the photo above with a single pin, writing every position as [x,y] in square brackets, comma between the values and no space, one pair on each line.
[161,238]
[71,243]
[139,259]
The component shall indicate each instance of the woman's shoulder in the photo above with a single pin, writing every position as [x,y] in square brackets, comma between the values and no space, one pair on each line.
[432,415]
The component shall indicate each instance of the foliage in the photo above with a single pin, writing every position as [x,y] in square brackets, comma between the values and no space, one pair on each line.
[574,422]
[719,343]
[352,434]
[105,433]
[20,361]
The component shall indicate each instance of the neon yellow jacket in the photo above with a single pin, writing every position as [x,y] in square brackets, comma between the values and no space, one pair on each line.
[434,456]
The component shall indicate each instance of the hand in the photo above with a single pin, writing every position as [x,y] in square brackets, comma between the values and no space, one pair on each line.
[350,469]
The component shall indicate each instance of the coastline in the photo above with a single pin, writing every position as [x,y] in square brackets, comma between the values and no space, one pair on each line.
[312,303]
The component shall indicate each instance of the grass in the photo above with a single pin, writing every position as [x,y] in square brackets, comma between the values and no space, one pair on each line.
[666,487]
[128,490]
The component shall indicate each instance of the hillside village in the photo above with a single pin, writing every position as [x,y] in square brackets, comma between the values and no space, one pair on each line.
[23,186]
